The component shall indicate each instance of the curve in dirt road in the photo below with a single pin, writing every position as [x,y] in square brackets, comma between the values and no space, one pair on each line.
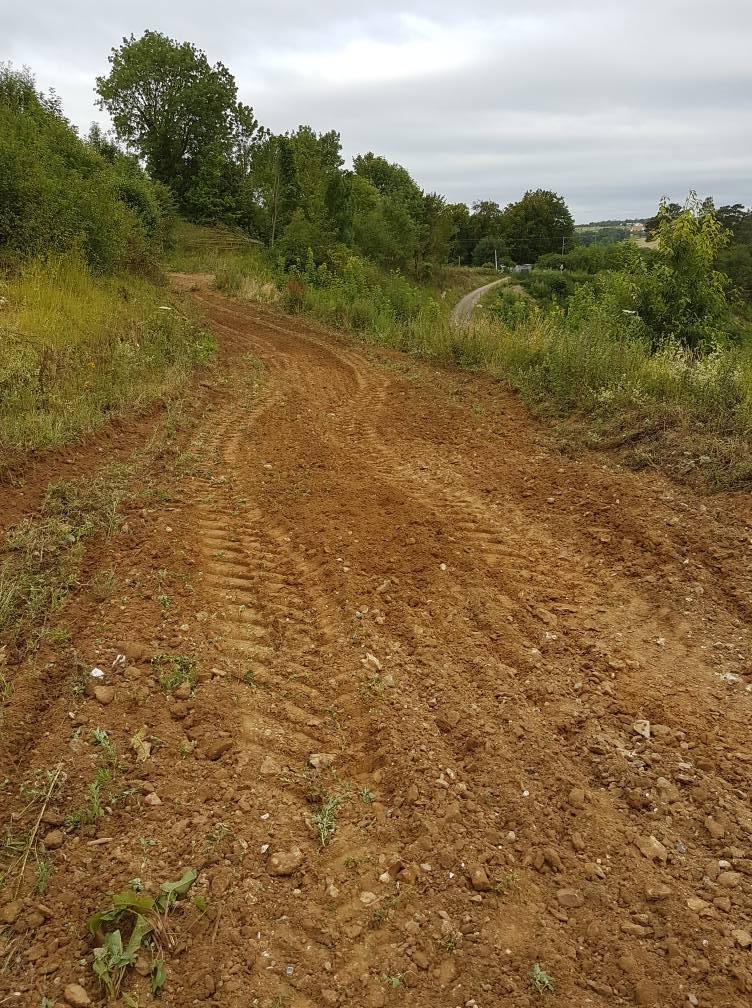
[463,310]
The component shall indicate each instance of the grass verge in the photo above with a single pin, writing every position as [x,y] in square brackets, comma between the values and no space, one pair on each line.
[77,348]
[40,563]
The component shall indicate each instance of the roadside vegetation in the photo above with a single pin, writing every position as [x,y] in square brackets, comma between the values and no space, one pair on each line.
[645,346]
[87,326]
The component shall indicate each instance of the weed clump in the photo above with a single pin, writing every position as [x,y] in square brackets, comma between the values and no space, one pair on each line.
[41,560]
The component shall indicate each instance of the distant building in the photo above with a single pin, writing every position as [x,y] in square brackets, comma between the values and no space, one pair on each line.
[637,228]
[523,268]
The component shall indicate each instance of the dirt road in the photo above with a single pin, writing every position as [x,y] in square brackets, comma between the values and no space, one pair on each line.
[469,716]
[463,310]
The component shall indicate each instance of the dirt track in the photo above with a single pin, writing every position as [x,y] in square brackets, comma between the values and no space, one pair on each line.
[391,565]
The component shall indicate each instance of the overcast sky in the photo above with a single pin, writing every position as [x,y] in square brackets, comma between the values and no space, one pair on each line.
[611,103]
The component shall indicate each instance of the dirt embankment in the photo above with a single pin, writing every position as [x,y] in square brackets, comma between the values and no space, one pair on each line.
[460,719]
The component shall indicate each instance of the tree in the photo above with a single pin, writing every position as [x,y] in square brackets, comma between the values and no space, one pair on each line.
[437,229]
[461,243]
[181,116]
[538,223]
[682,296]
[489,250]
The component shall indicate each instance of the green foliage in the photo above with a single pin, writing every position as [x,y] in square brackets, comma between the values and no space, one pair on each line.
[682,297]
[59,193]
[134,921]
[40,563]
[181,115]
[490,250]
[540,981]
[75,348]
[174,671]
[538,223]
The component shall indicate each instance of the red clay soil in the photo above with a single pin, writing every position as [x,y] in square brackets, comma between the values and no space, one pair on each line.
[515,685]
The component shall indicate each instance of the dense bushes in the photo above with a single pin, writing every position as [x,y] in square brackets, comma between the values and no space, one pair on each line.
[58,193]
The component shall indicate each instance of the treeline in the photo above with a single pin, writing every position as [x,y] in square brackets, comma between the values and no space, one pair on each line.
[59,193]
[182,118]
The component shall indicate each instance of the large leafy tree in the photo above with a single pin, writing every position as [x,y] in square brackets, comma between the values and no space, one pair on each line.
[687,299]
[538,223]
[181,116]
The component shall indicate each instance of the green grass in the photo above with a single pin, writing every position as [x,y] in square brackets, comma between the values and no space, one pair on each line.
[76,349]
[40,563]
[174,671]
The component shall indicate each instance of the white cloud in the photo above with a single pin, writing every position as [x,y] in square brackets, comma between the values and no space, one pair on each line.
[610,102]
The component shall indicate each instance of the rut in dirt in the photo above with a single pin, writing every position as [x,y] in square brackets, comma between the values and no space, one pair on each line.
[467,708]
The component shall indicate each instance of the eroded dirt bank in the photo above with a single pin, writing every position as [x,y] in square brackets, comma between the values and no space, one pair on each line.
[522,680]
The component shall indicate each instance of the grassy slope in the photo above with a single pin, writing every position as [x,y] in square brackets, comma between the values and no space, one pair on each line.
[76,349]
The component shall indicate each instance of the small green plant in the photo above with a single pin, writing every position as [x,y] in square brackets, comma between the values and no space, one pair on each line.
[219,833]
[174,671]
[324,819]
[46,1003]
[102,740]
[88,814]
[394,981]
[367,796]
[450,941]
[540,981]
[142,919]
[42,873]
[103,584]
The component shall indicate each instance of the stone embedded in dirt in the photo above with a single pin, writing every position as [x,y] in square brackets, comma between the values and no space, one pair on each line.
[366,898]
[214,750]
[641,727]
[183,692]
[696,904]
[576,798]
[645,993]
[651,848]
[329,996]
[54,839]
[75,995]
[570,898]
[10,912]
[321,760]
[104,694]
[420,959]
[729,879]
[136,652]
[411,795]
[269,767]
[372,662]
[658,892]
[577,842]
[715,829]
[152,799]
[479,879]
[741,937]
[285,863]
[447,972]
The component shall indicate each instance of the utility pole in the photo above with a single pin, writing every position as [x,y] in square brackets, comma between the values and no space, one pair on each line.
[496,260]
